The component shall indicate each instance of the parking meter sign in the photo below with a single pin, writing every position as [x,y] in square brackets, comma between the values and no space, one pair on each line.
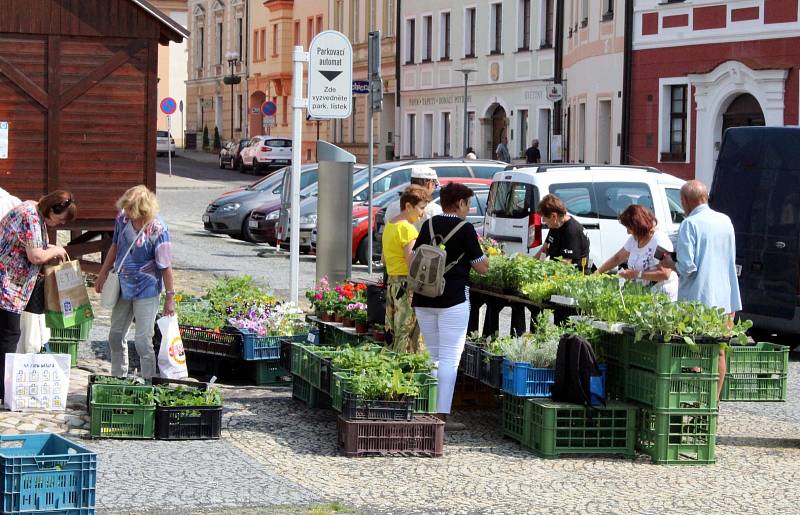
[330,76]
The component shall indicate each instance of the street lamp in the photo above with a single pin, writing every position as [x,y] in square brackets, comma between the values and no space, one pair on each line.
[232,58]
[466,72]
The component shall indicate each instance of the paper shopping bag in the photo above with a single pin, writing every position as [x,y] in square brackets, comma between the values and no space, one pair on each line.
[171,357]
[36,381]
[66,299]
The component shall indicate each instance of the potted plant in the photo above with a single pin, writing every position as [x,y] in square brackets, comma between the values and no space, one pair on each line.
[378,333]
[357,312]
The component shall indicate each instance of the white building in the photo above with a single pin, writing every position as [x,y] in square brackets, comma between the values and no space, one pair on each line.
[508,44]
[594,45]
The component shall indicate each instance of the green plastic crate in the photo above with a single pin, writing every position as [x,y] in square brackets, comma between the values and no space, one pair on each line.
[428,393]
[761,358]
[298,350]
[308,395]
[671,391]
[514,417]
[673,358]
[269,373]
[611,347]
[615,380]
[65,347]
[312,365]
[122,411]
[677,437]
[338,386]
[755,387]
[78,333]
[558,429]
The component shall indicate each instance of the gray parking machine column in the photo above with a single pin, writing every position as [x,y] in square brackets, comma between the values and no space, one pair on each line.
[334,213]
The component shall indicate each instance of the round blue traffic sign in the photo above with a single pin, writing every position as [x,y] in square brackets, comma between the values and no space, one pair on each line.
[168,105]
[269,108]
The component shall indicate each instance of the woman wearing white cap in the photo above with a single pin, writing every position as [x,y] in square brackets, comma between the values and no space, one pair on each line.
[426,177]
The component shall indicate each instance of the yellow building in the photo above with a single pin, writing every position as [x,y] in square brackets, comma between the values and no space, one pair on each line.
[172,68]
[218,33]
[276,27]
[355,19]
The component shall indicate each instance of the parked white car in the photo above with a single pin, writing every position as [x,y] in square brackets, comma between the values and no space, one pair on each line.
[164,143]
[264,152]
[594,195]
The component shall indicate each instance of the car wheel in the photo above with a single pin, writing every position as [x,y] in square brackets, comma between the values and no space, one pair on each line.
[361,252]
[246,234]
[221,163]
[241,167]
[256,166]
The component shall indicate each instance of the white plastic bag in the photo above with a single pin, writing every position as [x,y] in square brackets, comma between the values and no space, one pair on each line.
[33,333]
[171,358]
[36,381]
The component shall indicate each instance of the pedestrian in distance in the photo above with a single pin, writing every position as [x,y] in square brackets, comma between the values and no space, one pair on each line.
[470,154]
[443,320]
[502,151]
[705,258]
[643,251]
[23,250]
[141,253]
[426,177]
[566,238]
[399,237]
[532,154]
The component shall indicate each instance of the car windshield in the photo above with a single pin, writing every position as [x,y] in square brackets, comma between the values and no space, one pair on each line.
[267,182]
[360,178]
[278,143]
[162,134]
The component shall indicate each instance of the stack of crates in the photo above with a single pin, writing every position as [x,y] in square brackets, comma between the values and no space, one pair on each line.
[66,341]
[756,373]
[675,386]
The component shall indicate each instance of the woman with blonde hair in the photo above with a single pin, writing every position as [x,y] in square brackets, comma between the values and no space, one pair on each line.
[141,254]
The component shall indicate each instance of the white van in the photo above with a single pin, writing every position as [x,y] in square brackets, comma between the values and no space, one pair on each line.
[594,195]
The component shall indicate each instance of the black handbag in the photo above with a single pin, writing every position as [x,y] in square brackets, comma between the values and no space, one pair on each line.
[376,304]
[36,302]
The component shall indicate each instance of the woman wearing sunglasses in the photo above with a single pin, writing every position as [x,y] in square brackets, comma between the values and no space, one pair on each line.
[23,250]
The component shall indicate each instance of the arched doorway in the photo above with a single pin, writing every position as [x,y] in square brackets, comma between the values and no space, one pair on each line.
[499,127]
[254,118]
[744,111]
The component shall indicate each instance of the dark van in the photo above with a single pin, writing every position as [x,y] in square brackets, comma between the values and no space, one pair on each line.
[757,184]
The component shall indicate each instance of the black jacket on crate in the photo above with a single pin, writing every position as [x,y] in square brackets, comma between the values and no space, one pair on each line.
[575,366]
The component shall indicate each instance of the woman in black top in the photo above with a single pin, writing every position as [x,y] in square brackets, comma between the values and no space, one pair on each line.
[443,320]
[566,238]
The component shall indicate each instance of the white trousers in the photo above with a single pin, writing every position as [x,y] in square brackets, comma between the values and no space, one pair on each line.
[145,311]
[444,330]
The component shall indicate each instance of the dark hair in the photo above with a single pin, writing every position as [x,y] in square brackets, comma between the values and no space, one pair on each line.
[451,194]
[551,204]
[414,195]
[469,150]
[638,219]
[58,202]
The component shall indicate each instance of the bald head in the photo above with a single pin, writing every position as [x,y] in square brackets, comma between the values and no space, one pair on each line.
[693,194]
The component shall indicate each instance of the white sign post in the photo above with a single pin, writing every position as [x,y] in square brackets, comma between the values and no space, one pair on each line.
[3,140]
[330,95]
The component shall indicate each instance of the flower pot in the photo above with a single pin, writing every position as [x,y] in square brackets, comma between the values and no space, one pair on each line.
[327,317]
[378,335]
[337,318]
[348,322]
[361,327]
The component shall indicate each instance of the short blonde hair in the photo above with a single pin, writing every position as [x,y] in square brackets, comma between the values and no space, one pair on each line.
[139,203]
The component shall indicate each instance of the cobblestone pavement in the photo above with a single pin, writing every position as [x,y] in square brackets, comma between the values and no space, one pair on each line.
[276,456]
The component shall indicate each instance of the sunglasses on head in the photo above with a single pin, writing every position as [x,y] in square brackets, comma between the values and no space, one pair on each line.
[60,208]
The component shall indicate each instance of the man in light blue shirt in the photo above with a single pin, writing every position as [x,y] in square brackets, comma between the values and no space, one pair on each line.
[706,257]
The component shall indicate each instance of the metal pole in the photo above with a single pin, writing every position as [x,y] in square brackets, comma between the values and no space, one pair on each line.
[298,104]
[369,182]
[231,63]
[466,115]
[169,143]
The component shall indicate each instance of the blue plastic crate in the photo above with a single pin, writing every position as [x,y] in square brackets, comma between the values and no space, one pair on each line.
[256,347]
[46,473]
[523,380]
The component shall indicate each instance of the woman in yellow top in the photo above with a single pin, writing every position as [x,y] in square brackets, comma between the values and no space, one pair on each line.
[399,236]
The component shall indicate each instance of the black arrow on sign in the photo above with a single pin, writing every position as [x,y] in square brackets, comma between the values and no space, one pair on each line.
[330,74]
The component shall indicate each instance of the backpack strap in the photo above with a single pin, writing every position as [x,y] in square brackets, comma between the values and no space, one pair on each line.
[455,230]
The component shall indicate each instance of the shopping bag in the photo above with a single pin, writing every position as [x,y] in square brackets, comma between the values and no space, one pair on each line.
[66,299]
[171,357]
[36,381]
[33,333]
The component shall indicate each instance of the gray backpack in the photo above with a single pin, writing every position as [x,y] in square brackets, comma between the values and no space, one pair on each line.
[429,264]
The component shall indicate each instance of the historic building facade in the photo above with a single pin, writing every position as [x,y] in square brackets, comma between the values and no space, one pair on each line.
[507,45]
[172,68]
[218,34]
[594,44]
[700,67]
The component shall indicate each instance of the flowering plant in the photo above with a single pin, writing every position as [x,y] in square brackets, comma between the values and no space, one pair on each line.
[490,246]
[264,320]
[357,311]
[317,296]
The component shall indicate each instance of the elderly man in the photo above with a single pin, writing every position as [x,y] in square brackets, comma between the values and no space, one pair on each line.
[502,151]
[706,258]
[532,155]
[426,177]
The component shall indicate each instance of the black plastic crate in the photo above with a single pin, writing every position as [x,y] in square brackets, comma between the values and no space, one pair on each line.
[227,342]
[188,422]
[491,369]
[470,359]
[355,408]
[285,361]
